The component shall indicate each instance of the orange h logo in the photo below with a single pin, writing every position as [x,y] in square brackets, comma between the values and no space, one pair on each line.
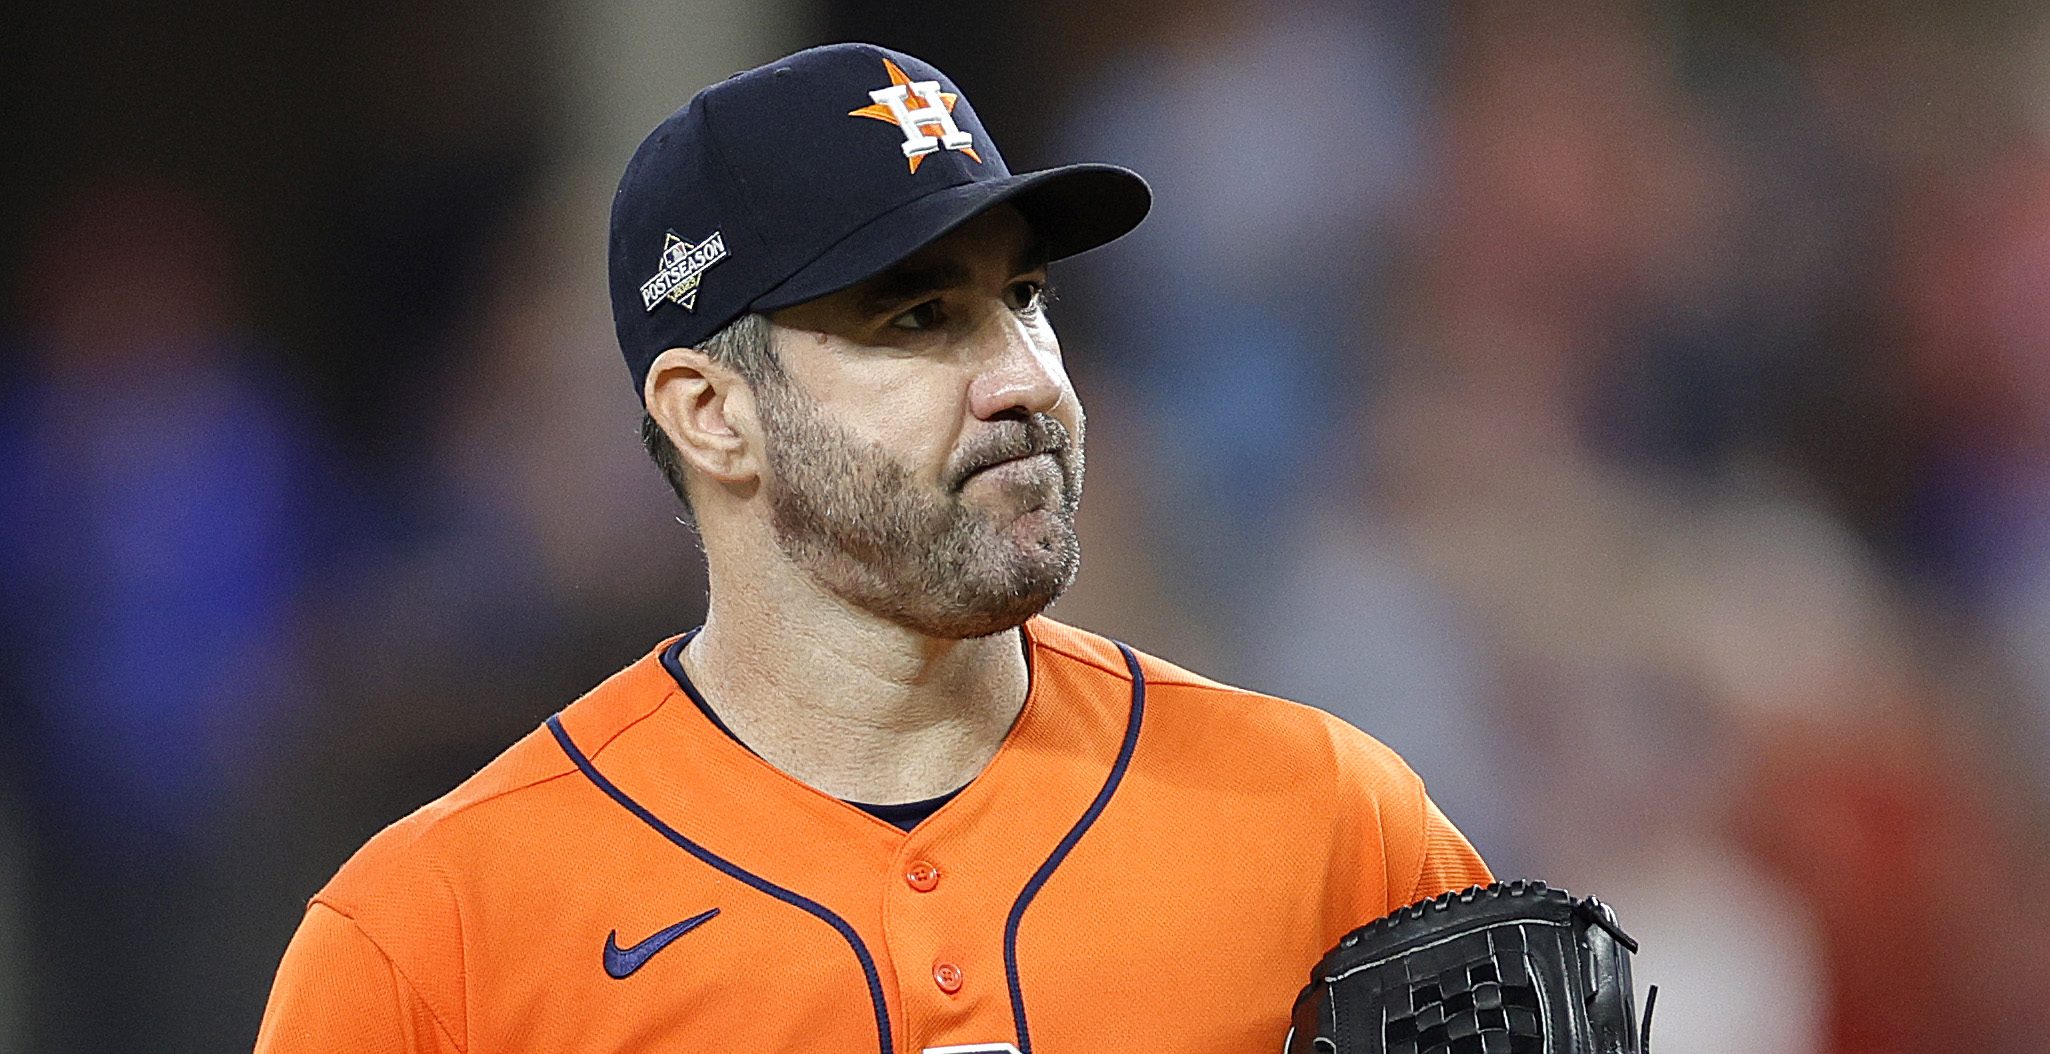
[928,128]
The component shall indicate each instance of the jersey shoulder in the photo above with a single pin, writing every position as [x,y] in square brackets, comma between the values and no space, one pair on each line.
[1244,722]
[1281,765]
[416,867]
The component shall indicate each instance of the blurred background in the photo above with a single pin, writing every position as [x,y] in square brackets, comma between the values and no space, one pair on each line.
[1638,414]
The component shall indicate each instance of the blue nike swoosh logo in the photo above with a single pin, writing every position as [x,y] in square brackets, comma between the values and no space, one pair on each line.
[620,962]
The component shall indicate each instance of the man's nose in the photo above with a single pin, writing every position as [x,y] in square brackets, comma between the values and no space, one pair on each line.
[1021,370]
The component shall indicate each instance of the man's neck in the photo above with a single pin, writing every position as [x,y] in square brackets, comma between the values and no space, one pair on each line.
[849,703]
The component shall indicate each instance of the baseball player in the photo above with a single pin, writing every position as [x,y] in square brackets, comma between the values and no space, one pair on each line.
[876,802]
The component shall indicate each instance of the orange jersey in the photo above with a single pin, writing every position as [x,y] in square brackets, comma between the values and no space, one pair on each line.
[1152,861]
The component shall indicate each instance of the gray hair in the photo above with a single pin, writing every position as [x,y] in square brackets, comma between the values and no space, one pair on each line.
[743,346]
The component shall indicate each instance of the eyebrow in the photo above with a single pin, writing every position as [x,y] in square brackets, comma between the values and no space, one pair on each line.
[909,282]
[903,283]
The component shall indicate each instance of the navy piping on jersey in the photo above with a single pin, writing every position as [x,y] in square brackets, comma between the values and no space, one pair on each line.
[1060,852]
[672,660]
[868,965]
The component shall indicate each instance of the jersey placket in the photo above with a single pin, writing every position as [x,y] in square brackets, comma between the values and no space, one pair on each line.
[964,880]
[939,950]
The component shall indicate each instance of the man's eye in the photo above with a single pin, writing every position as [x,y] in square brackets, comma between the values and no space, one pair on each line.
[1028,296]
[924,316]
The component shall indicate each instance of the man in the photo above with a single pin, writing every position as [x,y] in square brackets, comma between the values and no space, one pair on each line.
[875,802]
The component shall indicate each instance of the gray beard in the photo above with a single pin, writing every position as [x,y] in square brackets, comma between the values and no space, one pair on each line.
[862,525]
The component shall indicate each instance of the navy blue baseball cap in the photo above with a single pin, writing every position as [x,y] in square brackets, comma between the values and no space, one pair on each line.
[809,174]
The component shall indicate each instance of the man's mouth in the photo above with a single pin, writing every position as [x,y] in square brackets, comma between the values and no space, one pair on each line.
[1023,466]
[1011,454]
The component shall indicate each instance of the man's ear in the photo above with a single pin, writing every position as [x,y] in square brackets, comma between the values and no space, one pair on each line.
[708,410]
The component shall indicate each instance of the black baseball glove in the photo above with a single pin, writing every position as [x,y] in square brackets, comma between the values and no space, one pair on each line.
[1512,968]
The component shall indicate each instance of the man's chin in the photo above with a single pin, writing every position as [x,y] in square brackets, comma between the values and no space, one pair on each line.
[1038,531]
[988,622]
[1037,578]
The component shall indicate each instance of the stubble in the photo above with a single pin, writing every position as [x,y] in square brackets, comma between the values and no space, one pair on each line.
[925,556]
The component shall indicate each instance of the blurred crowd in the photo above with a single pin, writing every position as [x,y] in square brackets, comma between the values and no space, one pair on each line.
[1636,415]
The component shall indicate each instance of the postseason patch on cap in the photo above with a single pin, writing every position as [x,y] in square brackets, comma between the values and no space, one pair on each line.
[683,267]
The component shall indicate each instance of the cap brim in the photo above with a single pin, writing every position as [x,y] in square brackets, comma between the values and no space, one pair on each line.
[1074,208]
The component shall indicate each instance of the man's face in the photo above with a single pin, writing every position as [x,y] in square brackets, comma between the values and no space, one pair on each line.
[924,443]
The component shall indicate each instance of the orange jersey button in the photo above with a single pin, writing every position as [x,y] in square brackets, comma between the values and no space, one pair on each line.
[947,976]
[922,876]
